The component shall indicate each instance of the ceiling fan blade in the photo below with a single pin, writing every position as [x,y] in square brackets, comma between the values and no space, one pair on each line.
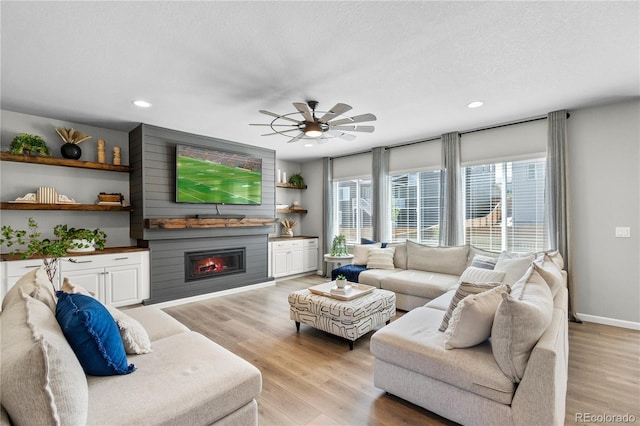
[341,135]
[272,125]
[273,114]
[279,133]
[355,119]
[295,138]
[354,128]
[338,109]
[304,110]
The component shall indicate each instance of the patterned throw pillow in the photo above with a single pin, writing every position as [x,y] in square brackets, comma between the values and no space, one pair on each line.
[381,258]
[464,290]
[93,335]
[484,262]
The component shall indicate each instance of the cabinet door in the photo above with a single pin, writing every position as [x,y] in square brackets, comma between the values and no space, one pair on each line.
[311,254]
[296,258]
[91,279]
[280,265]
[123,285]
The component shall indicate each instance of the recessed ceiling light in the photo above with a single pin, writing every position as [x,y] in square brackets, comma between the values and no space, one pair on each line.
[475,104]
[142,104]
[308,145]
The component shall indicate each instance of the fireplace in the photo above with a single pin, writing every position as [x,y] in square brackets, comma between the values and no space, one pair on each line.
[212,263]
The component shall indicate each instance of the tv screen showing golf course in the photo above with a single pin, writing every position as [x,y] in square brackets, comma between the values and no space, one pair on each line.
[205,175]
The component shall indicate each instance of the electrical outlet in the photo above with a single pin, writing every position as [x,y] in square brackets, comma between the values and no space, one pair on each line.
[623,232]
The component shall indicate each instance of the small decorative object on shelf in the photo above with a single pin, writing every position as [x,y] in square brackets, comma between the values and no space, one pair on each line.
[116,155]
[26,144]
[44,195]
[111,199]
[339,246]
[296,180]
[341,281]
[288,225]
[101,156]
[71,138]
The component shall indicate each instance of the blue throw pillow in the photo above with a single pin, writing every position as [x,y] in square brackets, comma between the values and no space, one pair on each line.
[368,241]
[93,335]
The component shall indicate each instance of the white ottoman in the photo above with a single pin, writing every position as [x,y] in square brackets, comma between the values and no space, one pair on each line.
[348,319]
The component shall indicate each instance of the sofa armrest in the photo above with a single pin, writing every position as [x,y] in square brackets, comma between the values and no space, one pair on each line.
[541,394]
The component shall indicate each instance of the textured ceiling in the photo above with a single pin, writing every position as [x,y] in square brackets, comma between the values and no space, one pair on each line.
[208,67]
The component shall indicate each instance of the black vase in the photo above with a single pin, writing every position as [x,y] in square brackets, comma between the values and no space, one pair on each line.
[71,151]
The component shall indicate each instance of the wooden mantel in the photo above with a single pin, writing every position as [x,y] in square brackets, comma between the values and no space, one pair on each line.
[200,223]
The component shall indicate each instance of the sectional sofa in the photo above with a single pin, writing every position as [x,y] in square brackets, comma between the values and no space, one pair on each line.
[171,375]
[485,338]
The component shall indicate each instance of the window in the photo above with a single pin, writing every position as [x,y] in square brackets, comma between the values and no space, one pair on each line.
[505,206]
[415,206]
[353,209]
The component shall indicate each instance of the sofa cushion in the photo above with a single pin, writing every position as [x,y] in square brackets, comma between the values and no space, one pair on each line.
[443,260]
[134,337]
[520,320]
[156,322]
[93,335]
[428,285]
[42,380]
[400,255]
[464,289]
[514,265]
[413,342]
[472,319]
[375,277]
[186,380]
[36,284]
[361,253]
[442,302]
[381,258]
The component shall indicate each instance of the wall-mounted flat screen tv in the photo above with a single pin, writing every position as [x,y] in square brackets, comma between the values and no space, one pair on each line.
[208,175]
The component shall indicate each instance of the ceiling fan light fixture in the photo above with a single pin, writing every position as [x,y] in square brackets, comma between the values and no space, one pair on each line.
[312,130]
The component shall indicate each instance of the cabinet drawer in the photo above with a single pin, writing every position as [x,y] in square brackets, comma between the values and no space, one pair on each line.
[310,243]
[286,245]
[17,268]
[77,263]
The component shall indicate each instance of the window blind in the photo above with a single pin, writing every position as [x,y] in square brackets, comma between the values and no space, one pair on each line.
[420,156]
[352,166]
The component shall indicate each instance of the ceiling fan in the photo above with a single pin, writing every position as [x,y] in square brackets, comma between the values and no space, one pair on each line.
[329,125]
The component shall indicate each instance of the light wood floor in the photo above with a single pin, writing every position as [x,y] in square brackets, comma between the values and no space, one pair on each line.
[312,378]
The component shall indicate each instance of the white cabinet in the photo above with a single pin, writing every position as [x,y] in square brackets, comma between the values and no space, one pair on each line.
[293,257]
[310,254]
[118,279]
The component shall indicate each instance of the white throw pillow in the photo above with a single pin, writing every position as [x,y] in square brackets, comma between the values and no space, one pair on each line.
[550,273]
[134,337]
[472,319]
[361,253]
[514,265]
[464,290]
[381,258]
[480,275]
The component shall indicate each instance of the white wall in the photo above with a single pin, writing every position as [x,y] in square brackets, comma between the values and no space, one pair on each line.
[604,166]
[83,185]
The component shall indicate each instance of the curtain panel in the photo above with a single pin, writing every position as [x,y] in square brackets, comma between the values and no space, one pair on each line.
[451,196]
[328,219]
[380,190]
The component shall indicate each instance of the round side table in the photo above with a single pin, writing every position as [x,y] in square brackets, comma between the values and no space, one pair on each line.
[337,260]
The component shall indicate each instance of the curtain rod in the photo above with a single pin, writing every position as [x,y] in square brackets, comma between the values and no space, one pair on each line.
[433,139]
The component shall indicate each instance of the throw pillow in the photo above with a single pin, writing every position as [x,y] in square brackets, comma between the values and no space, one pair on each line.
[93,335]
[520,320]
[36,284]
[444,260]
[361,253]
[550,273]
[514,265]
[134,336]
[464,290]
[472,319]
[484,262]
[479,275]
[381,258]
[368,241]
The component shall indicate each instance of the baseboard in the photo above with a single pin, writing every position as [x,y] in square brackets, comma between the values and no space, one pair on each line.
[609,321]
[213,295]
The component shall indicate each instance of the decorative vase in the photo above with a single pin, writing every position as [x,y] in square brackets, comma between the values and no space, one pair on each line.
[71,151]
[341,283]
[81,246]
[288,232]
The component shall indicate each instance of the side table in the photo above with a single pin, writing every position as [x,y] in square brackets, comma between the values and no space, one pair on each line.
[337,260]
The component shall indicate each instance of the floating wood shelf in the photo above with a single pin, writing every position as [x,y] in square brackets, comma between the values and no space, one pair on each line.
[301,211]
[79,207]
[193,223]
[288,185]
[5,156]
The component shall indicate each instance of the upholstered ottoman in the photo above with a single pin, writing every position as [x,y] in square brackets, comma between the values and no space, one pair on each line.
[349,319]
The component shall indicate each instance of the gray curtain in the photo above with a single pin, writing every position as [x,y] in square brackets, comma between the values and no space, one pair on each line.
[556,193]
[327,213]
[451,197]
[380,190]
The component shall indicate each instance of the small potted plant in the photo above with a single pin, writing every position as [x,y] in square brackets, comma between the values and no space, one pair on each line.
[341,281]
[26,144]
[296,180]
[81,239]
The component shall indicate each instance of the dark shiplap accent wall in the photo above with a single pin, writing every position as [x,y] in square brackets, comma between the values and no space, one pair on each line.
[167,266]
[152,191]
[152,156]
